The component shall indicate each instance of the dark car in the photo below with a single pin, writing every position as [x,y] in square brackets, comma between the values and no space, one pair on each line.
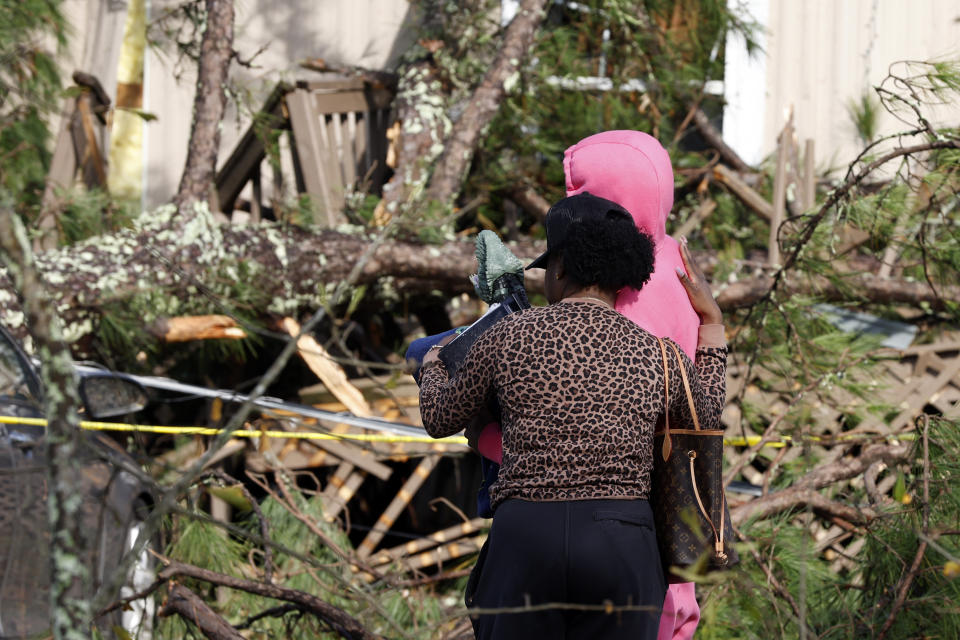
[113,498]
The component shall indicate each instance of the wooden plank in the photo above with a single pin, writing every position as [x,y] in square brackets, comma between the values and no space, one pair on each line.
[339,84]
[249,151]
[357,149]
[346,131]
[330,166]
[340,102]
[403,497]
[428,542]
[329,372]
[308,147]
[450,551]
[342,487]
[355,455]
[809,175]
[927,388]
[779,191]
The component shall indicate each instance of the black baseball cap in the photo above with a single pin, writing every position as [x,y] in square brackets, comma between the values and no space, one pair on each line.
[584,207]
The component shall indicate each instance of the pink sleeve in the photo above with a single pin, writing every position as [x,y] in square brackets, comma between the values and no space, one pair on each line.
[490,444]
[681,613]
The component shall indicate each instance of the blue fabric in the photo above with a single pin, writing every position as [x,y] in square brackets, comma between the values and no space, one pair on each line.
[418,349]
[490,471]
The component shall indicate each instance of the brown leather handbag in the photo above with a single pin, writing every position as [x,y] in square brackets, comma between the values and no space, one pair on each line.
[690,511]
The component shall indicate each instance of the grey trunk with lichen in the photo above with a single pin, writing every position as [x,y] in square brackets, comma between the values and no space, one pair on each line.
[70,609]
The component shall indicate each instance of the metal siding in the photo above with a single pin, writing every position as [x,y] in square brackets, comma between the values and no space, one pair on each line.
[817,62]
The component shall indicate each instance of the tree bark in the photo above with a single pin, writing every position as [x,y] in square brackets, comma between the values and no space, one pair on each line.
[346,625]
[216,51]
[69,571]
[290,264]
[447,179]
[190,606]
[804,492]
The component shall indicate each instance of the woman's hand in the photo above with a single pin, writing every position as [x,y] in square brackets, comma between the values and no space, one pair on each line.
[433,352]
[697,288]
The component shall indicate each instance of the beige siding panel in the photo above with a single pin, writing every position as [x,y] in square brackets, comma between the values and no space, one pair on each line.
[821,54]
[366,33]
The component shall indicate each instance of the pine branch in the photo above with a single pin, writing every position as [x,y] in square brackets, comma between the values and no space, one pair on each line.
[343,623]
[805,491]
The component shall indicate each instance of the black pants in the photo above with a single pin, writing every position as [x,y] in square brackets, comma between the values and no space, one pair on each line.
[579,552]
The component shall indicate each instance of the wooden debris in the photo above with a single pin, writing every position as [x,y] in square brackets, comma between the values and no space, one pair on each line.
[341,486]
[780,191]
[78,149]
[403,497]
[329,372]
[715,139]
[742,190]
[420,545]
[696,218]
[185,328]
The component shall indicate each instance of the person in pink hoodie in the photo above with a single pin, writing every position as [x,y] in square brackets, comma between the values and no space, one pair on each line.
[633,169]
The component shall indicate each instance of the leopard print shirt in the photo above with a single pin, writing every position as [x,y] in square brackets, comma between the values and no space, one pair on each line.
[580,389]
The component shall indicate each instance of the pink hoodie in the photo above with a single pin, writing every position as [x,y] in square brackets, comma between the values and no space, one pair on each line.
[632,169]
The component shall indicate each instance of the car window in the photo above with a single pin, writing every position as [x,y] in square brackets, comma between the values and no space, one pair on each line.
[16,381]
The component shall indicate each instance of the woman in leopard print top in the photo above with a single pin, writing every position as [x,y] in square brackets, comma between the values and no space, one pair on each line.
[581,389]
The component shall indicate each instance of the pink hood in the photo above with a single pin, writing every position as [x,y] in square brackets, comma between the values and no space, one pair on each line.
[633,169]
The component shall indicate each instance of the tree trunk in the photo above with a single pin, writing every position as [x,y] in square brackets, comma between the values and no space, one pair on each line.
[216,51]
[290,265]
[69,572]
[424,125]
[460,145]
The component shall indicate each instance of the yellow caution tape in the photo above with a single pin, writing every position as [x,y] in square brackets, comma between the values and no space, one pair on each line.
[239,433]
[749,441]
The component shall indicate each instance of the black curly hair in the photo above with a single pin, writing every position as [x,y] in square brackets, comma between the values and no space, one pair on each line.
[610,254]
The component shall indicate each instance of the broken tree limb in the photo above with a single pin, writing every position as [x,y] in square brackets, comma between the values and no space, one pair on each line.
[290,265]
[696,218]
[531,201]
[459,146]
[345,624]
[189,606]
[185,328]
[805,491]
[742,190]
[715,139]
[864,287]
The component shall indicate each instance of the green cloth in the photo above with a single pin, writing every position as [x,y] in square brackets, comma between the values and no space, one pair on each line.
[494,261]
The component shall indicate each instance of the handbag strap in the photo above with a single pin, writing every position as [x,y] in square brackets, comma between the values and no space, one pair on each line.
[686,386]
[667,443]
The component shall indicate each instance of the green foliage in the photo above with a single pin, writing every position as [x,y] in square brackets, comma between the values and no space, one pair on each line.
[864,112]
[29,94]
[596,66]
[84,214]
[854,602]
